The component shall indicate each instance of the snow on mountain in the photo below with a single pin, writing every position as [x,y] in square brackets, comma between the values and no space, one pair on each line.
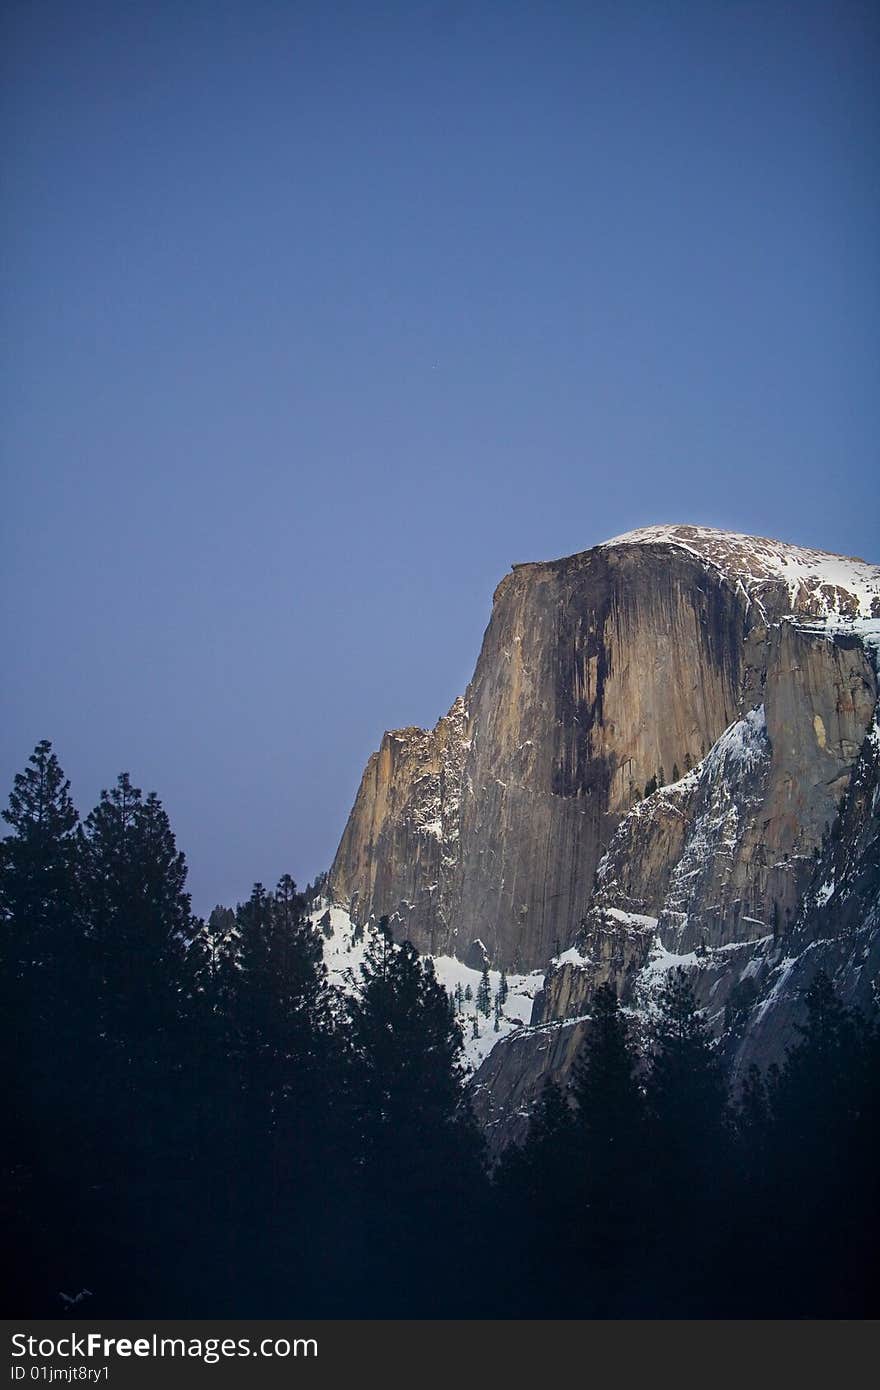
[819,584]
[344,950]
[542,816]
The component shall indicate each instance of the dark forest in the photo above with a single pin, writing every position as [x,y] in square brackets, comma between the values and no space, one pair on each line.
[200,1125]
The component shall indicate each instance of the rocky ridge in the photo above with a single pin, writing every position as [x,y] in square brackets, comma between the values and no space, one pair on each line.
[667,754]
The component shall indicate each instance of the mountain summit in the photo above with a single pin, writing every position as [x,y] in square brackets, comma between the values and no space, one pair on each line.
[667,740]
[817,581]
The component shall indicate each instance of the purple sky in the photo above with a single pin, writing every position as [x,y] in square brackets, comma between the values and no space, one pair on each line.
[317,316]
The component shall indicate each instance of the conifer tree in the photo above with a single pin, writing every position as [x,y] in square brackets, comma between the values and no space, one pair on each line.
[275,1128]
[43,1010]
[140,922]
[421,1163]
[610,1107]
[533,1185]
[145,959]
[686,1088]
[610,1133]
[821,1060]
[687,1112]
[484,994]
[543,1165]
[279,1003]
[406,1040]
[217,938]
[824,1104]
[39,878]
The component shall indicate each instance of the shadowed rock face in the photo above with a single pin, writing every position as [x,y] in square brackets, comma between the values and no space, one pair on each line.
[737,673]
[400,843]
[597,674]
[751,988]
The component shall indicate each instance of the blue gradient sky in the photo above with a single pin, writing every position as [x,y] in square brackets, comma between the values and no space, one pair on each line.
[317,316]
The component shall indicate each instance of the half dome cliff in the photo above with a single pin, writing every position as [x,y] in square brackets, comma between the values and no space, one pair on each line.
[603,678]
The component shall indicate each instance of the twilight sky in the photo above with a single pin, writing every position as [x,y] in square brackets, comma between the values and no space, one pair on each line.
[319,315]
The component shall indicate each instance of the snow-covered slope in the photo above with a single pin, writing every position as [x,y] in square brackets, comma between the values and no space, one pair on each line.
[744,872]
[818,583]
[344,948]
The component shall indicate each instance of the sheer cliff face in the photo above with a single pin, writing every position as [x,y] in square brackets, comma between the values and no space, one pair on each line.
[598,675]
[595,674]
[399,847]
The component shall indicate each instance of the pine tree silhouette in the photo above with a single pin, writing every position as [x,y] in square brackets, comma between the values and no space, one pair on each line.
[44,1011]
[610,1133]
[688,1133]
[421,1154]
[533,1186]
[824,1104]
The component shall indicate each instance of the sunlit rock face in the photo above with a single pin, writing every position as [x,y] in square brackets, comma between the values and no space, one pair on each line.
[649,765]
[596,674]
[400,845]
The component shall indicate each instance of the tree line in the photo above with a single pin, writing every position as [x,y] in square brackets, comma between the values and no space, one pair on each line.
[650,1190]
[199,1124]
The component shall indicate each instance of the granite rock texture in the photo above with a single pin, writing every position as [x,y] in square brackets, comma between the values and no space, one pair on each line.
[666,740]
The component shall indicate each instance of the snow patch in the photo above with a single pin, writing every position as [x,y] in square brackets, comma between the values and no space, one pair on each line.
[571,957]
[817,581]
[344,951]
[630,919]
[662,961]
[824,892]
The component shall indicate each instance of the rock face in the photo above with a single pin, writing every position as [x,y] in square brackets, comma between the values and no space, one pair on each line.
[596,673]
[648,767]
[399,847]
